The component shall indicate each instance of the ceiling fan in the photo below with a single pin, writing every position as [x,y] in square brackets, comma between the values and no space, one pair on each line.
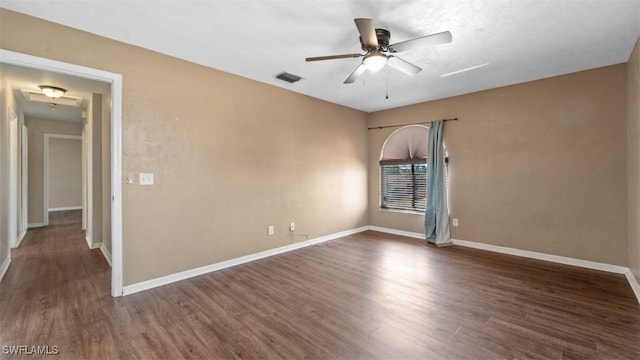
[375,42]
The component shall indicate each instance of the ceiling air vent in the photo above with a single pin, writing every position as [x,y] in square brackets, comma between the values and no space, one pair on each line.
[290,78]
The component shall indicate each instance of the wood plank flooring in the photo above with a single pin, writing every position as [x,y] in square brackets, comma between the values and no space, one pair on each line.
[366,296]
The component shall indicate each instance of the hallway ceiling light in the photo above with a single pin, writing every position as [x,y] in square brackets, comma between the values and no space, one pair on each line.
[53,92]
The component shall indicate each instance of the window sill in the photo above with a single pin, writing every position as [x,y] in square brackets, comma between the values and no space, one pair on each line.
[409,212]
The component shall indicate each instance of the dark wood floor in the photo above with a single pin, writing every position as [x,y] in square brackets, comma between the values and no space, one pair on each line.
[367,296]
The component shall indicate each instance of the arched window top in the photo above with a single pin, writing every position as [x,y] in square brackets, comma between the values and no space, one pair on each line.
[406,143]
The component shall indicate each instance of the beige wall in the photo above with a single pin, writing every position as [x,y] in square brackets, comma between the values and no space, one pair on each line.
[230,155]
[633,158]
[65,173]
[37,128]
[539,166]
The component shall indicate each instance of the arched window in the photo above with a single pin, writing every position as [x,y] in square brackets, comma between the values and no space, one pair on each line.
[403,169]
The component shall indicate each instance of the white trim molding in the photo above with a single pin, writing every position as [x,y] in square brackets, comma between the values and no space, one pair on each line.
[36,225]
[397,232]
[5,266]
[635,286]
[13,178]
[90,242]
[21,237]
[149,284]
[542,256]
[106,253]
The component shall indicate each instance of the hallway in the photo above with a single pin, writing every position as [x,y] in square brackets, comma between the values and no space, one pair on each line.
[49,268]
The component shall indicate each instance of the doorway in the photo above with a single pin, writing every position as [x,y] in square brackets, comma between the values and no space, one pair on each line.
[115,154]
[62,173]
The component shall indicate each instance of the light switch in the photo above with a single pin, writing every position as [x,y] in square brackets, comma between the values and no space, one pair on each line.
[146,179]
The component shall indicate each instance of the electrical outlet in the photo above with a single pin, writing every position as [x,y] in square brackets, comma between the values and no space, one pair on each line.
[292,226]
[455,222]
[270,230]
[146,179]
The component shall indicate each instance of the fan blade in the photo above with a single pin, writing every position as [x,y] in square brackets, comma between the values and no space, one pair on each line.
[356,74]
[367,33]
[403,65]
[330,57]
[421,42]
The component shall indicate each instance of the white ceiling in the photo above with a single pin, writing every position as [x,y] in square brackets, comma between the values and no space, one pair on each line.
[520,40]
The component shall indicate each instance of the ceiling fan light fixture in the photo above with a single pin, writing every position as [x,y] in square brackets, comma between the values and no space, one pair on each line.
[374,61]
[53,92]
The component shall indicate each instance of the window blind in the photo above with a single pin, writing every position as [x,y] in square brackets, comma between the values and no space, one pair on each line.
[403,185]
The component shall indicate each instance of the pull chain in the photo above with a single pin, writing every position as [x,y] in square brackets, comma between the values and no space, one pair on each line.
[387,74]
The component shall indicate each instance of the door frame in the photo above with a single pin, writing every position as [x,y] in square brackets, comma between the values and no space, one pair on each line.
[115,80]
[45,170]
[14,149]
[24,159]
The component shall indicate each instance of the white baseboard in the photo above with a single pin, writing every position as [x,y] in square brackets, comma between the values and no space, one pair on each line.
[397,232]
[36,225]
[617,269]
[65,208]
[106,253]
[21,237]
[542,256]
[149,284]
[5,266]
[90,242]
[635,286]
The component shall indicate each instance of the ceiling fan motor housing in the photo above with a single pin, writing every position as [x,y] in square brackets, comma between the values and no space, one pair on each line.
[383,36]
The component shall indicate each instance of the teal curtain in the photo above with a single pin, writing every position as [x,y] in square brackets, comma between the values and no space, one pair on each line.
[436,215]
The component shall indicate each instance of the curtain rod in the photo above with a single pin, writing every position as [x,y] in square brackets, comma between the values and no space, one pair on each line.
[419,123]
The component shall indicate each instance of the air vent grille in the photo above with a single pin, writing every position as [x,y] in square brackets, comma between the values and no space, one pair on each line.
[290,78]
